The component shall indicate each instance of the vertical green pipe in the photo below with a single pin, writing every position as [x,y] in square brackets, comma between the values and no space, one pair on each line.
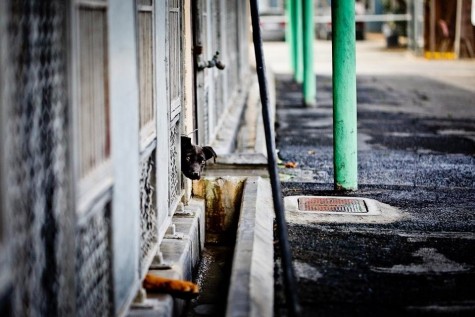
[298,40]
[289,33]
[309,82]
[344,95]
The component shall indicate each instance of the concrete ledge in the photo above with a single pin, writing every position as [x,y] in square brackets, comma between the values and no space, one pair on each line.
[251,291]
[181,254]
[241,159]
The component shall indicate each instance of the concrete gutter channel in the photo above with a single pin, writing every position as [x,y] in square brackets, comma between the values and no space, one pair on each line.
[232,201]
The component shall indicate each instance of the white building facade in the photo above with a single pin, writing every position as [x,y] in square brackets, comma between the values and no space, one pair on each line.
[95,95]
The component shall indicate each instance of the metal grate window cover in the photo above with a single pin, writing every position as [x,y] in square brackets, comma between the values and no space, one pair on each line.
[174,179]
[94,264]
[36,154]
[148,213]
[332,205]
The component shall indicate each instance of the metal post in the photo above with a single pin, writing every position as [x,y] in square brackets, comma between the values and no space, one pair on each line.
[432,29]
[458,28]
[289,33]
[309,82]
[344,95]
[298,40]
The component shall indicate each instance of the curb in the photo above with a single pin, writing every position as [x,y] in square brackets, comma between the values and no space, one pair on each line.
[251,292]
[181,254]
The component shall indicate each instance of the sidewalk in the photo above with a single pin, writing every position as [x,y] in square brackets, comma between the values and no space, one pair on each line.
[416,125]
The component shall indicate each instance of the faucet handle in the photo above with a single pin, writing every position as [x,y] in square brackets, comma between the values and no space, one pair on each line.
[212,63]
[219,64]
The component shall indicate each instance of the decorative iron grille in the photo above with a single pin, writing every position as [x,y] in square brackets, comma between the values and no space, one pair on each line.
[148,212]
[37,148]
[175,91]
[174,177]
[94,295]
[93,267]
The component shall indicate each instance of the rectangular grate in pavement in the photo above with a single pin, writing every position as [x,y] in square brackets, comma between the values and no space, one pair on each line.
[322,206]
[332,204]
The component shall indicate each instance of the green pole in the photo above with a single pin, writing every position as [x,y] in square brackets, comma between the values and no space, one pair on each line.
[298,40]
[289,33]
[309,82]
[344,95]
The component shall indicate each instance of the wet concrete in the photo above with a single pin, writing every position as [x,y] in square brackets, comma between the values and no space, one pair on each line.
[223,197]
[213,277]
[416,153]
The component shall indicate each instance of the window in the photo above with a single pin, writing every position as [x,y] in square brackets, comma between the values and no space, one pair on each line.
[93,112]
[92,104]
[146,48]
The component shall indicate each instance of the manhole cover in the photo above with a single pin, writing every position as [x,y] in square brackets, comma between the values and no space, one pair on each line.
[332,205]
[320,204]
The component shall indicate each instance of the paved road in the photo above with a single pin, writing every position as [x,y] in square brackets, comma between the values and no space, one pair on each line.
[416,125]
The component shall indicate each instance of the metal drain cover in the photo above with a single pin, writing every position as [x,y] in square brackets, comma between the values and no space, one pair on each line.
[332,205]
[322,204]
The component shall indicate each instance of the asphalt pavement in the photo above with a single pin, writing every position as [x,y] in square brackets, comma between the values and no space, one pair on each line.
[416,156]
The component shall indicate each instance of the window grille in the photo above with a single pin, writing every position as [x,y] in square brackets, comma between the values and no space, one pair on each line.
[93,264]
[146,68]
[93,112]
[36,156]
[93,269]
[174,169]
[148,213]
[175,92]
[175,57]
[148,206]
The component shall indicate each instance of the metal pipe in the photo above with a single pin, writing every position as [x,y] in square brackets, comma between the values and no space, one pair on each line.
[298,40]
[309,81]
[344,95]
[290,285]
[458,28]
[289,33]
[432,28]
